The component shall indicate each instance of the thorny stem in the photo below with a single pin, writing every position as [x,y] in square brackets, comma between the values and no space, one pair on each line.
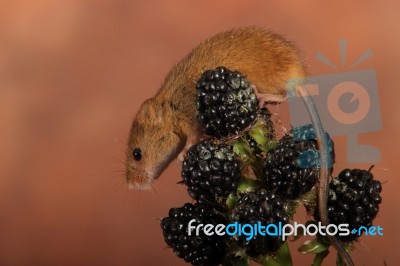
[323,186]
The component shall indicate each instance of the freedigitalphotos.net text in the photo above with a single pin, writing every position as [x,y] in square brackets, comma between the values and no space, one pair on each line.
[282,230]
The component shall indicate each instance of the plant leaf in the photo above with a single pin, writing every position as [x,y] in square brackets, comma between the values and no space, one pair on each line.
[284,256]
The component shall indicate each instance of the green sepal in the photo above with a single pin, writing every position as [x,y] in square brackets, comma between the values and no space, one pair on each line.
[314,246]
[241,148]
[270,145]
[231,201]
[258,134]
[247,185]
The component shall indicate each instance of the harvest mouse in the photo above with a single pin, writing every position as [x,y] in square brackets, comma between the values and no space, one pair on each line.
[167,123]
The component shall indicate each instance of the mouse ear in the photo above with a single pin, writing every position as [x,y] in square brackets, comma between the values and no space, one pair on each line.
[147,108]
[151,112]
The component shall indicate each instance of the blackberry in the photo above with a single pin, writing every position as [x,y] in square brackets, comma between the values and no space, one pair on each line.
[291,168]
[266,208]
[210,171]
[354,199]
[226,103]
[197,250]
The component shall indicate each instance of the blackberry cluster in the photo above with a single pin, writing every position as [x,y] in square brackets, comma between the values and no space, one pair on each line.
[226,103]
[290,169]
[210,171]
[354,199]
[197,250]
[267,208]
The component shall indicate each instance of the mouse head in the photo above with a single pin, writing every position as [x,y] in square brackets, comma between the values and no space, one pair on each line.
[153,143]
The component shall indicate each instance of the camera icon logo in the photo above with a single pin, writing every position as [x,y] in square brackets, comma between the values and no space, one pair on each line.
[347,103]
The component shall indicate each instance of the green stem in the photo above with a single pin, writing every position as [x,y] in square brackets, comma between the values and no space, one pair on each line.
[319,258]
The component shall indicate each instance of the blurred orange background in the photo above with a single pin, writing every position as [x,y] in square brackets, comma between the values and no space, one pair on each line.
[74,73]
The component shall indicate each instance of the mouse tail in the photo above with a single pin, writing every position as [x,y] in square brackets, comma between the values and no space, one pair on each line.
[323,186]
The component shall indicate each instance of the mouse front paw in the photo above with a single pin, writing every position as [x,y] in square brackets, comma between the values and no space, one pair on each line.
[182,154]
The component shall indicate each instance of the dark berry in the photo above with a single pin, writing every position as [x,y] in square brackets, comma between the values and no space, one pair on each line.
[225,102]
[291,168]
[210,170]
[197,250]
[354,198]
[266,208]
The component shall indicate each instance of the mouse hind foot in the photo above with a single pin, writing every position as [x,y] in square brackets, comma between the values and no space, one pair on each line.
[265,98]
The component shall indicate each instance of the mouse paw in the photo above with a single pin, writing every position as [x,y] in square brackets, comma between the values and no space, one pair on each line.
[182,154]
[264,99]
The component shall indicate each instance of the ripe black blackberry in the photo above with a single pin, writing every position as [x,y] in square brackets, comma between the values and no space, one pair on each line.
[265,207]
[197,250]
[210,171]
[291,168]
[226,103]
[354,199]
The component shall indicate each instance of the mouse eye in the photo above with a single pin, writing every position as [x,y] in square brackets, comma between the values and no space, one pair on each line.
[137,154]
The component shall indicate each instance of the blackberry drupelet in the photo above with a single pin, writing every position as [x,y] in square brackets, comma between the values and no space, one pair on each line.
[210,171]
[354,199]
[254,146]
[265,207]
[197,250]
[291,168]
[226,103]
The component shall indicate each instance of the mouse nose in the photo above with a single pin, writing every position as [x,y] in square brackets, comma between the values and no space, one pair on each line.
[137,181]
[139,186]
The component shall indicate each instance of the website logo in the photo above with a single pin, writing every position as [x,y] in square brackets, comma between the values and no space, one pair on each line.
[347,103]
[279,230]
